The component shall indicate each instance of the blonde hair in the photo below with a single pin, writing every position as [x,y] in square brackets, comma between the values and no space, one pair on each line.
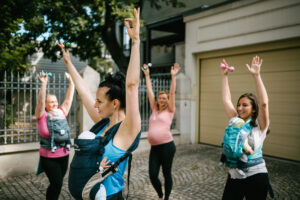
[48,95]
[160,93]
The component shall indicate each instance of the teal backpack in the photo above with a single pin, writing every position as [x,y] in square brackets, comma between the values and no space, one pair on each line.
[232,144]
[234,139]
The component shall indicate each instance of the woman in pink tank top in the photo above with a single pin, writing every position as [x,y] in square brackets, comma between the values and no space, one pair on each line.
[159,135]
[54,163]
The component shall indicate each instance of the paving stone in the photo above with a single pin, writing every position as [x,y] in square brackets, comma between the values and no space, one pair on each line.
[197,175]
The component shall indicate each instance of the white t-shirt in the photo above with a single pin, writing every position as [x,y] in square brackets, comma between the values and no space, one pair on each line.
[255,139]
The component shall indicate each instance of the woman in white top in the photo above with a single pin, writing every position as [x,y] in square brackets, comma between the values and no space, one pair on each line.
[254,184]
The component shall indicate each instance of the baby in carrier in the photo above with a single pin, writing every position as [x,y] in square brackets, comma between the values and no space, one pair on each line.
[101,194]
[239,122]
[235,144]
[89,169]
[58,129]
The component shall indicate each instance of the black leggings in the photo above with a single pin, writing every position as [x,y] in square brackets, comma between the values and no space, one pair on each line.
[117,196]
[254,187]
[55,169]
[162,155]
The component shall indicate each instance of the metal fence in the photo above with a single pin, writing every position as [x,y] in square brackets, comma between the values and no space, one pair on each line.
[19,95]
[17,106]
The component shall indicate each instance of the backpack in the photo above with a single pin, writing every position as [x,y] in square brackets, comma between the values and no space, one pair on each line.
[59,137]
[88,155]
[59,134]
[234,139]
[232,144]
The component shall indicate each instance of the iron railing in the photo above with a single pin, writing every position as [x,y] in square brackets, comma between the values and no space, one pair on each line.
[17,105]
[19,95]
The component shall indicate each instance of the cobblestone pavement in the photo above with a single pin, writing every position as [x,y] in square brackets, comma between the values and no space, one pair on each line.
[196,175]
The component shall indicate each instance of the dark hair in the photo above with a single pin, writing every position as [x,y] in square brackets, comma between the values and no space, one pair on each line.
[254,103]
[116,83]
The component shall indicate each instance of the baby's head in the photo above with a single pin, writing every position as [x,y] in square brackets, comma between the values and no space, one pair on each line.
[236,122]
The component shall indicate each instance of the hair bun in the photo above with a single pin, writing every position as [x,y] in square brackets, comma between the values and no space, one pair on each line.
[119,77]
[116,83]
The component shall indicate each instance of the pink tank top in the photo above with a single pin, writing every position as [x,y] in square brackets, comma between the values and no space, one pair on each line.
[44,132]
[159,127]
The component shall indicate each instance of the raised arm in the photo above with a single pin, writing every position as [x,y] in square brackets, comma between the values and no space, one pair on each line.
[150,93]
[81,86]
[66,105]
[132,120]
[263,113]
[226,95]
[174,71]
[40,106]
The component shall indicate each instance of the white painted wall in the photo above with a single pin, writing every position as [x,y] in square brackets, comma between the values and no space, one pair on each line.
[20,159]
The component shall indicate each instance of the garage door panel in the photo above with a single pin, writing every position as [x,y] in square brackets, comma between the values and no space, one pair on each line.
[275,82]
[280,135]
[280,150]
[214,135]
[283,105]
[215,123]
[210,85]
[283,139]
[283,60]
[281,75]
[276,61]
[282,82]
[285,120]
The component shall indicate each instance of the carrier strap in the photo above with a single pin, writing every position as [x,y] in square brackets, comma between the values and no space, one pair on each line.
[129,168]
[104,140]
[114,167]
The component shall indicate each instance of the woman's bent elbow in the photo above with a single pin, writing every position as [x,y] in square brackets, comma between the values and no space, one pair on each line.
[132,86]
[264,104]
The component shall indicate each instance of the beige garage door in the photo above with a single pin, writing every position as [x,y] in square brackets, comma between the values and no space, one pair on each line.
[281,75]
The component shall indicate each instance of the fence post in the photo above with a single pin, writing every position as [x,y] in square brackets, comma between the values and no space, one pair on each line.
[92,78]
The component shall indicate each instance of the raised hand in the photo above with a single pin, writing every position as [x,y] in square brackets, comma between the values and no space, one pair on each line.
[255,65]
[175,69]
[225,69]
[145,69]
[134,31]
[43,78]
[69,77]
[65,53]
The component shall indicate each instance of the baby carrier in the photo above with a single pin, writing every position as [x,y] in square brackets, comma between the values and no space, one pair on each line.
[232,144]
[84,168]
[59,132]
